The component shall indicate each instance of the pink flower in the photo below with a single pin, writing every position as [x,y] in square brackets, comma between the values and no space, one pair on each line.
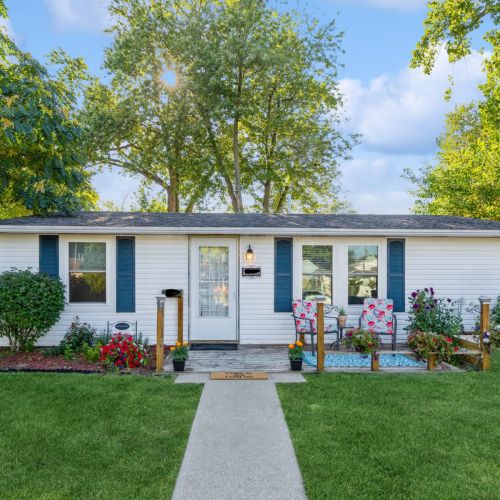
[371,307]
[389,307]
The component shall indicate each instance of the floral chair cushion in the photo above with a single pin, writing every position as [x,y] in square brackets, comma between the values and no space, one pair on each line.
[377,316]
[304,315]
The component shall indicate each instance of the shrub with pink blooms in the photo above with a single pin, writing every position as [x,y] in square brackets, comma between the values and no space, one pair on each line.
[122,351]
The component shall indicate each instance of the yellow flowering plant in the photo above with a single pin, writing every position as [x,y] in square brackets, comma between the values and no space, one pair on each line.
[295,351]
[179,351]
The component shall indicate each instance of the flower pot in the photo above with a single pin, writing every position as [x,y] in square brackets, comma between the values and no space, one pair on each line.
[342,321]
[296,365]
[179,365]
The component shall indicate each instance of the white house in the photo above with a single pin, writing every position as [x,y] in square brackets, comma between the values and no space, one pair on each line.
[115,264]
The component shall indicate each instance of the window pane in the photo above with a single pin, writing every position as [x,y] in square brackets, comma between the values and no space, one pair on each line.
[362,287]
[317,267]
[214,281]
[363,260]
[317,259]
[87,256]
[87,287]
[363,273]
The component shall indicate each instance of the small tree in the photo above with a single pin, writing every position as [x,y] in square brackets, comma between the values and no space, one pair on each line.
[30,304]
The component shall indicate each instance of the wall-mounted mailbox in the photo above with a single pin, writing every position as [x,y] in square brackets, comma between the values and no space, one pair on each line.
[250,271]
[172,292]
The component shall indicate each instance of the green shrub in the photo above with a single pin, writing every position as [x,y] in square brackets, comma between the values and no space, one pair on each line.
[30,304]
[92,353]
[77,335]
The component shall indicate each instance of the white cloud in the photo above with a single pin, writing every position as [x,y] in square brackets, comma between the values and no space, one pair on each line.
[373,181]
[404,113]
[82,15]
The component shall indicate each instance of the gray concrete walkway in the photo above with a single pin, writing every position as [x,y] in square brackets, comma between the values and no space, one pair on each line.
[239,447]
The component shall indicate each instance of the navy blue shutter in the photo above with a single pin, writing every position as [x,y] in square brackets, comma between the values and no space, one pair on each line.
[48,255]
[283,275]
[125,274]
[396,273]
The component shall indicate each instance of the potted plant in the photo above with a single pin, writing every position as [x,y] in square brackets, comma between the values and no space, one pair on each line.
[362,340]
[342,317]
[179,355]
[295,355]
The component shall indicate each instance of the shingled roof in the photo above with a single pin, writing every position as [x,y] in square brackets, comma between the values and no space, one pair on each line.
[251,220]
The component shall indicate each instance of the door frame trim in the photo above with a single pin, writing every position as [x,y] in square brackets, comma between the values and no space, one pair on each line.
[235,238]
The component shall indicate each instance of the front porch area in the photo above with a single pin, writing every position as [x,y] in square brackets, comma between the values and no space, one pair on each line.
[272,358]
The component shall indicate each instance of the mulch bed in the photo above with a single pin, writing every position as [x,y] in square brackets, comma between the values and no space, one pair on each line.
[38,361]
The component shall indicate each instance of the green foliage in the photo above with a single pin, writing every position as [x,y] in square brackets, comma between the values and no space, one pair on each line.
[41,166]
[254,109]
[429,313]
[465,178]
[92,353]
[68,353]
[30,304]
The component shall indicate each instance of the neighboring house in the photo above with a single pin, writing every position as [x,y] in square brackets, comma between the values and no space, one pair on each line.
[115,264]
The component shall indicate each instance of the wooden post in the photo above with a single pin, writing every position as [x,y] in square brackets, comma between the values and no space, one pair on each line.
[432,361]
[160,319]
[375,361]
[180,319]
[320,335]
[484,324]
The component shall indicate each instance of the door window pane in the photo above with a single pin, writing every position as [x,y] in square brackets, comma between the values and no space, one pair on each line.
[214,281]
[363,273]
[87,272]
[317,270]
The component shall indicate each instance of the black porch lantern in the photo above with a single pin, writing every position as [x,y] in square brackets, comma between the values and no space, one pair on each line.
[249,255]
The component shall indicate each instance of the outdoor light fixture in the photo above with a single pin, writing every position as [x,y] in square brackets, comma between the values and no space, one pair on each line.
[249,255]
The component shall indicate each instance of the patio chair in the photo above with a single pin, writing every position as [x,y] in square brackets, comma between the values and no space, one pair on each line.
[378,317]
[305,319]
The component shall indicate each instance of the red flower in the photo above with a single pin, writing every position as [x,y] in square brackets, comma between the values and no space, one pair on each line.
[449,340]
[389,307]
[371,323]
[455,348]
[371,306]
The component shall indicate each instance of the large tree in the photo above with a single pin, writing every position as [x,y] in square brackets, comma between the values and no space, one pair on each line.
[465,178]
[41,168]
[252,116]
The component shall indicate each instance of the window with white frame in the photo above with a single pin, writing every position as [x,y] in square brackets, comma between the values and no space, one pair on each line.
[87,272]
[317,272]
[363,273]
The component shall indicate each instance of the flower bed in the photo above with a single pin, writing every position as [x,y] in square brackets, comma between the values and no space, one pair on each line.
[39,360]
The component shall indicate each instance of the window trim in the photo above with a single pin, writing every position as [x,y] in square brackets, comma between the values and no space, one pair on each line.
[368,244]
[301,276]
[64,242]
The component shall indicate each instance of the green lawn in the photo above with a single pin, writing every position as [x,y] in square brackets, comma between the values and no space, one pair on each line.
[90,436]
[397,436]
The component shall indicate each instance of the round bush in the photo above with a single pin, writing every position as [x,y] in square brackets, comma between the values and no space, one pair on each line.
[30,304]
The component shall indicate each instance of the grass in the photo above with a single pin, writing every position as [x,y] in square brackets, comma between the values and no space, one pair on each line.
[90,436]
[397,436]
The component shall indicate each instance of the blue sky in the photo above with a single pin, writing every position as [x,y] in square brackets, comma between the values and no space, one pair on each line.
[399,111]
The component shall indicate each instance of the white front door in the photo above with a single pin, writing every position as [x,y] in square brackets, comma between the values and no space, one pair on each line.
[213,289]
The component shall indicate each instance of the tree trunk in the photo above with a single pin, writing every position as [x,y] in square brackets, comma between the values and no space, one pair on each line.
[236,164]
[172,191]
[266,202]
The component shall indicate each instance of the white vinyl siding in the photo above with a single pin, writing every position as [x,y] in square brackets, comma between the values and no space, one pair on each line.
[459,268]
[455,267]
